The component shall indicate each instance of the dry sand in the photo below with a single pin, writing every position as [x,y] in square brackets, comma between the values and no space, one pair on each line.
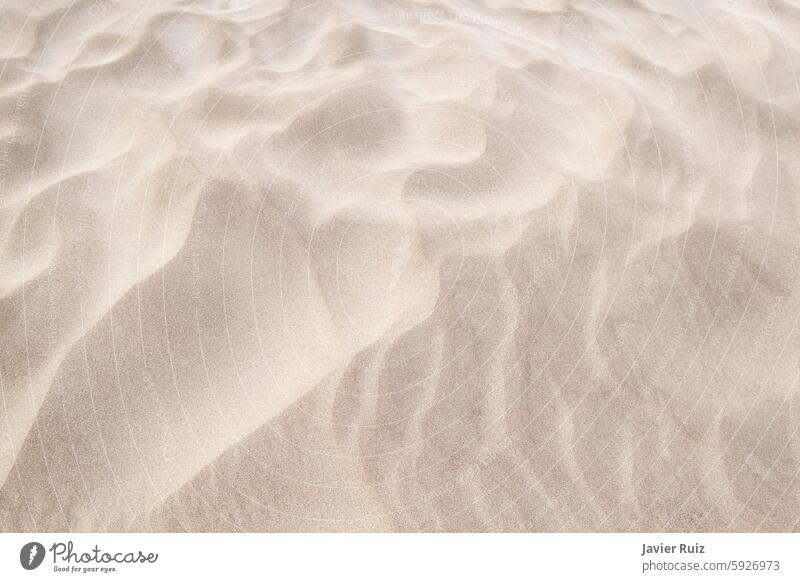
[383,265]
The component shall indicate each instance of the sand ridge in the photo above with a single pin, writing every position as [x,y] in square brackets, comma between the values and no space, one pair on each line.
[390,266]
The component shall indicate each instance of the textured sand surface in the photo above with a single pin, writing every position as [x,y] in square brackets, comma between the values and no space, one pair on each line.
[380,265]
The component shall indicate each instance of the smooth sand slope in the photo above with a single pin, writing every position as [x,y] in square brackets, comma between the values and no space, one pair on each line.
[383,265]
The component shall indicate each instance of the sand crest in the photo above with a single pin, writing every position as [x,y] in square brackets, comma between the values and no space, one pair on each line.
[384,265]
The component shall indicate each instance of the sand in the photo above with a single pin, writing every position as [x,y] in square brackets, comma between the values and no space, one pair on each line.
[371,265]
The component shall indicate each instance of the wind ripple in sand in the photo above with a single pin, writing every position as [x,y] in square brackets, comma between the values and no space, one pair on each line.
[390,266]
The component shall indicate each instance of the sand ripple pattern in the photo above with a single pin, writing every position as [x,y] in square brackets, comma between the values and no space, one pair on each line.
[362,265]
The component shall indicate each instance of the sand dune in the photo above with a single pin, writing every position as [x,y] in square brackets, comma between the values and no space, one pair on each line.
[399,266]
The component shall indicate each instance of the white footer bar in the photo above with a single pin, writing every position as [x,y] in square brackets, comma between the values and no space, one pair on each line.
[388,557]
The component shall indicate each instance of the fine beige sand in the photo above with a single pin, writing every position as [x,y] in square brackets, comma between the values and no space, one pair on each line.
[373,265]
